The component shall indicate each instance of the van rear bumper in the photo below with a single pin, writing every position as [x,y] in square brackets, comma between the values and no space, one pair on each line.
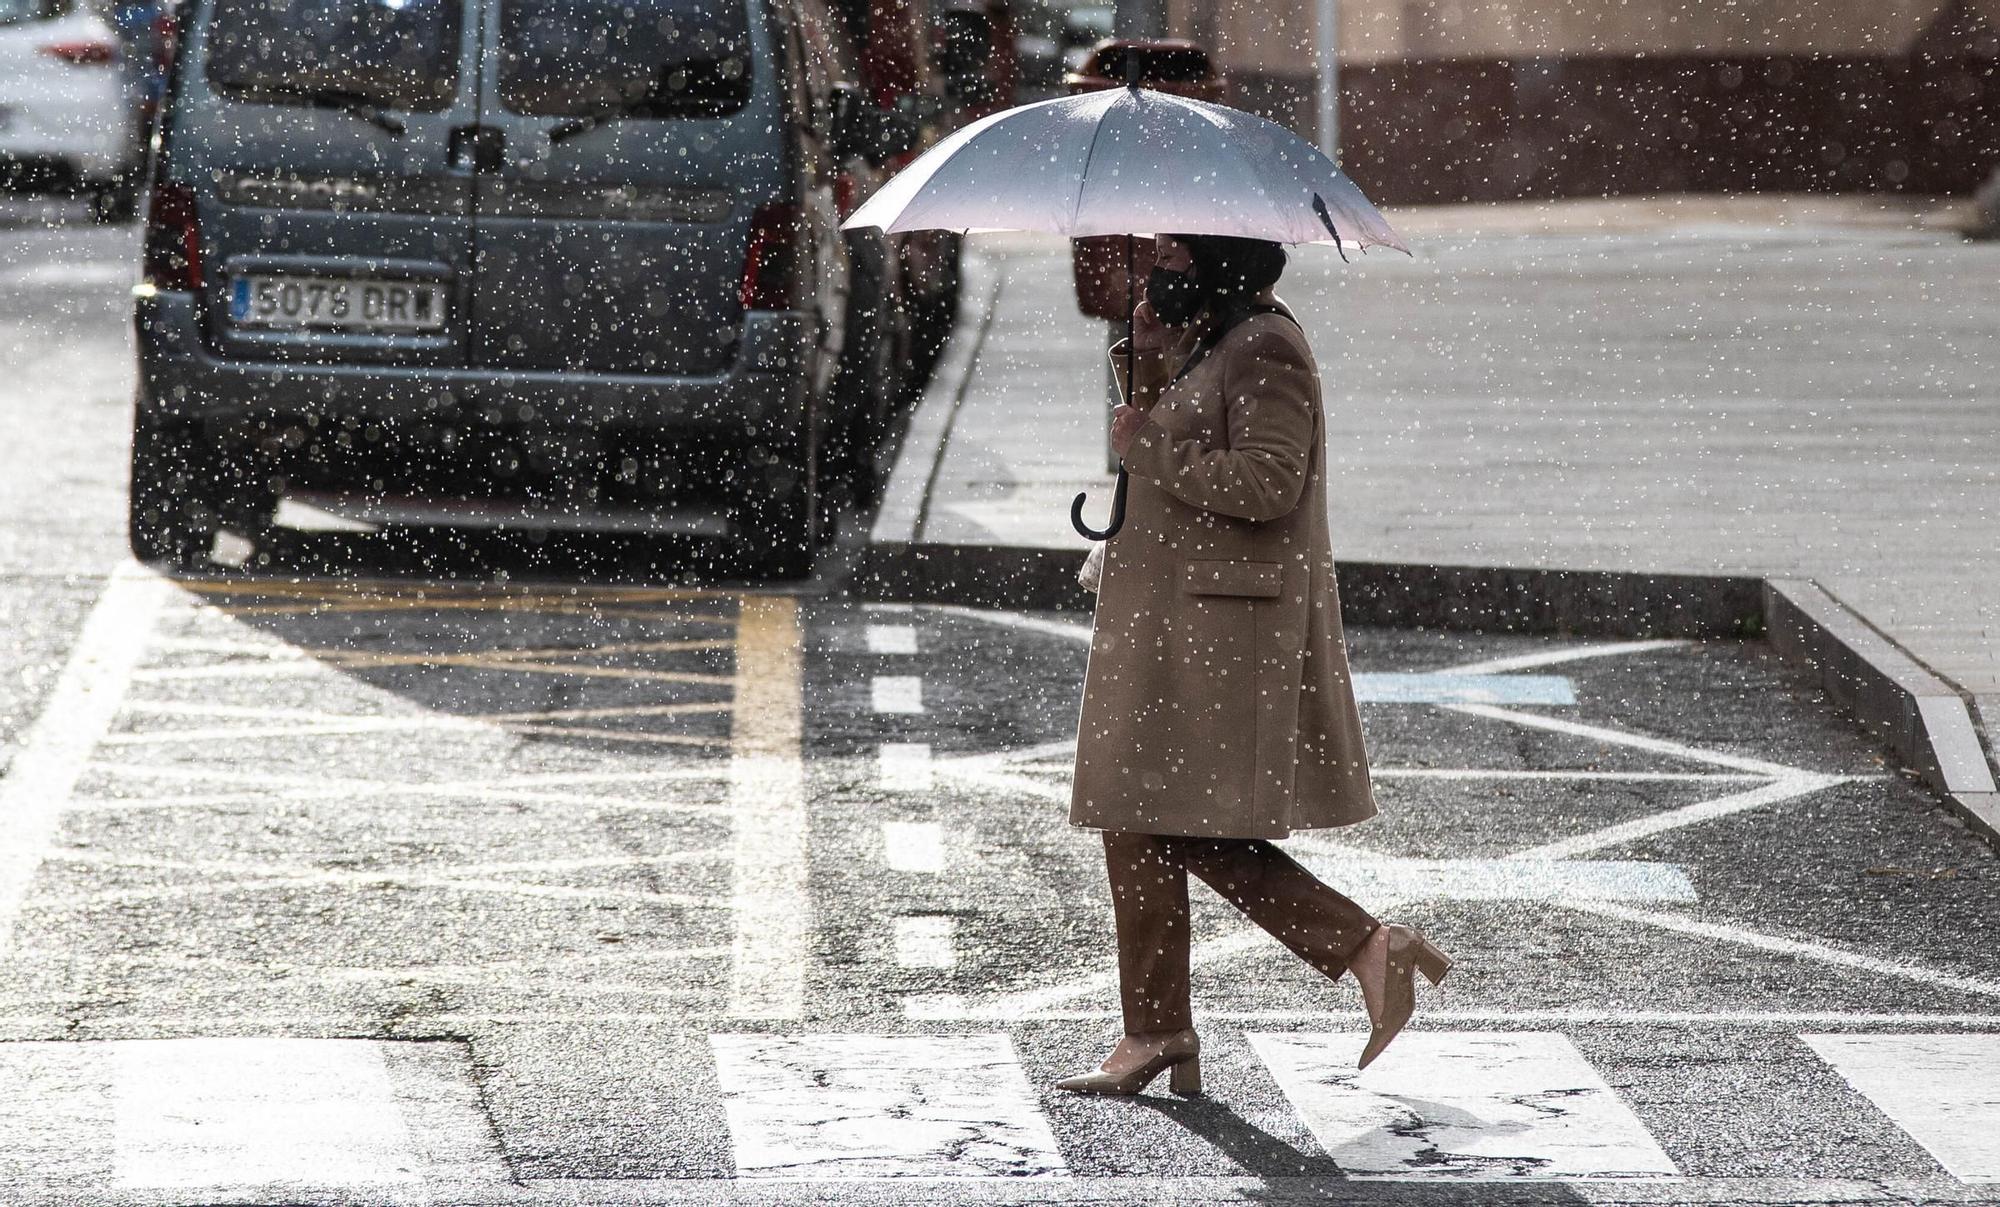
[764,390]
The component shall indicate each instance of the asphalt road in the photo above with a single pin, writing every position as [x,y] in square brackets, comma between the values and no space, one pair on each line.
[376,890]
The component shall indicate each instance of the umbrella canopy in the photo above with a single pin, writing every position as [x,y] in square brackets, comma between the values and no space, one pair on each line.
[1128,161]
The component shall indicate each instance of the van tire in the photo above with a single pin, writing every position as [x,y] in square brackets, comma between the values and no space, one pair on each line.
[169,521]
[932,318]
[778,534]
[116,201]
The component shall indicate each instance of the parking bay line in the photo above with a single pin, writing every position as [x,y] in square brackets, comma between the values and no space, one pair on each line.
[78,712]
[892,639]
[897,694]
[913,846]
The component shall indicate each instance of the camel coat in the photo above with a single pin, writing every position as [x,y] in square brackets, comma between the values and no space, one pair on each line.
[1217,700]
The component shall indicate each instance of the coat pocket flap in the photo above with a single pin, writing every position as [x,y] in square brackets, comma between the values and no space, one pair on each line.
[1260,579]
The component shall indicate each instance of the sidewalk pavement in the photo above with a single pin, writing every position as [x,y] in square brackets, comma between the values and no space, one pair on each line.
[1797,391]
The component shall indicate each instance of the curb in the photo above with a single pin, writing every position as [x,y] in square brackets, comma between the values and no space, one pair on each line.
[900,518]
[1919,716]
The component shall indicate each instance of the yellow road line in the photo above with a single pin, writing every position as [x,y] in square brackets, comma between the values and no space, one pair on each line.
[365,658]
[390,588]
[466,605]
[767,794]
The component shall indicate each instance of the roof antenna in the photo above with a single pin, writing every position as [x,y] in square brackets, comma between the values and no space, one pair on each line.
[1319,207]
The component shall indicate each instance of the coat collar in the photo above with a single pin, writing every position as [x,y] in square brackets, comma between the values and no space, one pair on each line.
[1191,338]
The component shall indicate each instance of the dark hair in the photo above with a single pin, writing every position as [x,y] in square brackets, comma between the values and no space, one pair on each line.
[1231,269]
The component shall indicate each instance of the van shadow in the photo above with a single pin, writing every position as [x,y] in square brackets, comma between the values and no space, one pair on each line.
[622,672]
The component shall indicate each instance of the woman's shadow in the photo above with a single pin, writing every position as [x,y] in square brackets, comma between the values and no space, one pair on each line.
[1290,1172]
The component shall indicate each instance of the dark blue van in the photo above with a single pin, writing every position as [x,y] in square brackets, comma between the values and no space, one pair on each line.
[555,264]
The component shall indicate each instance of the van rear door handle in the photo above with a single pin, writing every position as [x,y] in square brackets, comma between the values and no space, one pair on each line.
[477,148]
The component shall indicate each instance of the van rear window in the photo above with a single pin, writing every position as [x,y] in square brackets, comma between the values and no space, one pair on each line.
[399,54]
[626,58]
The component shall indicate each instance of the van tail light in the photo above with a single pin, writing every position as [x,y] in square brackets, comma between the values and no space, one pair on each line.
[166,40]
[173,240]
[771,260]
[83,52]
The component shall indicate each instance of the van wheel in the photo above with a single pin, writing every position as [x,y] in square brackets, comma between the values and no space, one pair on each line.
[932,318]
[867,407]
[169,521]
[116,201]
[778,533]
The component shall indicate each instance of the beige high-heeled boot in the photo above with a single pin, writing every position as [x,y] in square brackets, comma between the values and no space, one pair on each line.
[1386,969]
[1138,1059]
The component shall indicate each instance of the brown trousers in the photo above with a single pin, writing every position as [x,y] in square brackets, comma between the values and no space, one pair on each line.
[1149,896]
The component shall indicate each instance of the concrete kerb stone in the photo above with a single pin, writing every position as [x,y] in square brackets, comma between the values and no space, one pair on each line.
[900,518]
[1919,716]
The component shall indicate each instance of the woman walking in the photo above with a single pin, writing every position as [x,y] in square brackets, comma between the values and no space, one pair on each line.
[1217,710]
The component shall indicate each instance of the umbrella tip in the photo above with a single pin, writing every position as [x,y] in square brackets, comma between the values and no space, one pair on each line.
[1132,67]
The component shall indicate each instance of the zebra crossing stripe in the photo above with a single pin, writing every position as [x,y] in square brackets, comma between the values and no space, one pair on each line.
[1942,1089]
[1471,1106]
[257,1112]
[242,1119]
[879,1106]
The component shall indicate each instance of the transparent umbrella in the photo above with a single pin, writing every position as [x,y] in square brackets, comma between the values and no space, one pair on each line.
[1128,161]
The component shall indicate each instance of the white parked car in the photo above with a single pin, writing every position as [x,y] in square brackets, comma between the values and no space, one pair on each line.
[68,116]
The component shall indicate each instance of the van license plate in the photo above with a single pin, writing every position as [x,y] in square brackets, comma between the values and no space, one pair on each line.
[336,303]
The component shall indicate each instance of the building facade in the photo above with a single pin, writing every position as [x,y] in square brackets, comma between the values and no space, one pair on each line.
[1445,100]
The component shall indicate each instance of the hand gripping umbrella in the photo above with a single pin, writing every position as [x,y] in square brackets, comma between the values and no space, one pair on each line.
[1128,161]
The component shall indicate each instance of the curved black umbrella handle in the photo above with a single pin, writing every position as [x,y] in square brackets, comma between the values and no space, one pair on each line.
[1117,513]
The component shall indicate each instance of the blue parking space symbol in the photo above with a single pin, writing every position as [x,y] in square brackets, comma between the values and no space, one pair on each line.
[1449,688]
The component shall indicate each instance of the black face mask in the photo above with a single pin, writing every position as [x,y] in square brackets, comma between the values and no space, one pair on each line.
[1176,297]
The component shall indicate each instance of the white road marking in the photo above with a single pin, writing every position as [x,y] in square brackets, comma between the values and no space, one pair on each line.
[1793,947]
[773,906]
[1944,1090]
[1475,1106]
[904,767]
[1069,629]
[304,1113]
[892,639]
[926,941]
[898,694]
[1522,662]
[1785,789]
[1004,771]
[1635,741]
[79,274]
[847,1106]
[76,716]
[952,1007]
[506,790]
[913,846]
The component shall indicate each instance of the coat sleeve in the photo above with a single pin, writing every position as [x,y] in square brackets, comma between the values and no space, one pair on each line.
[1268,392]
[1149,375]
